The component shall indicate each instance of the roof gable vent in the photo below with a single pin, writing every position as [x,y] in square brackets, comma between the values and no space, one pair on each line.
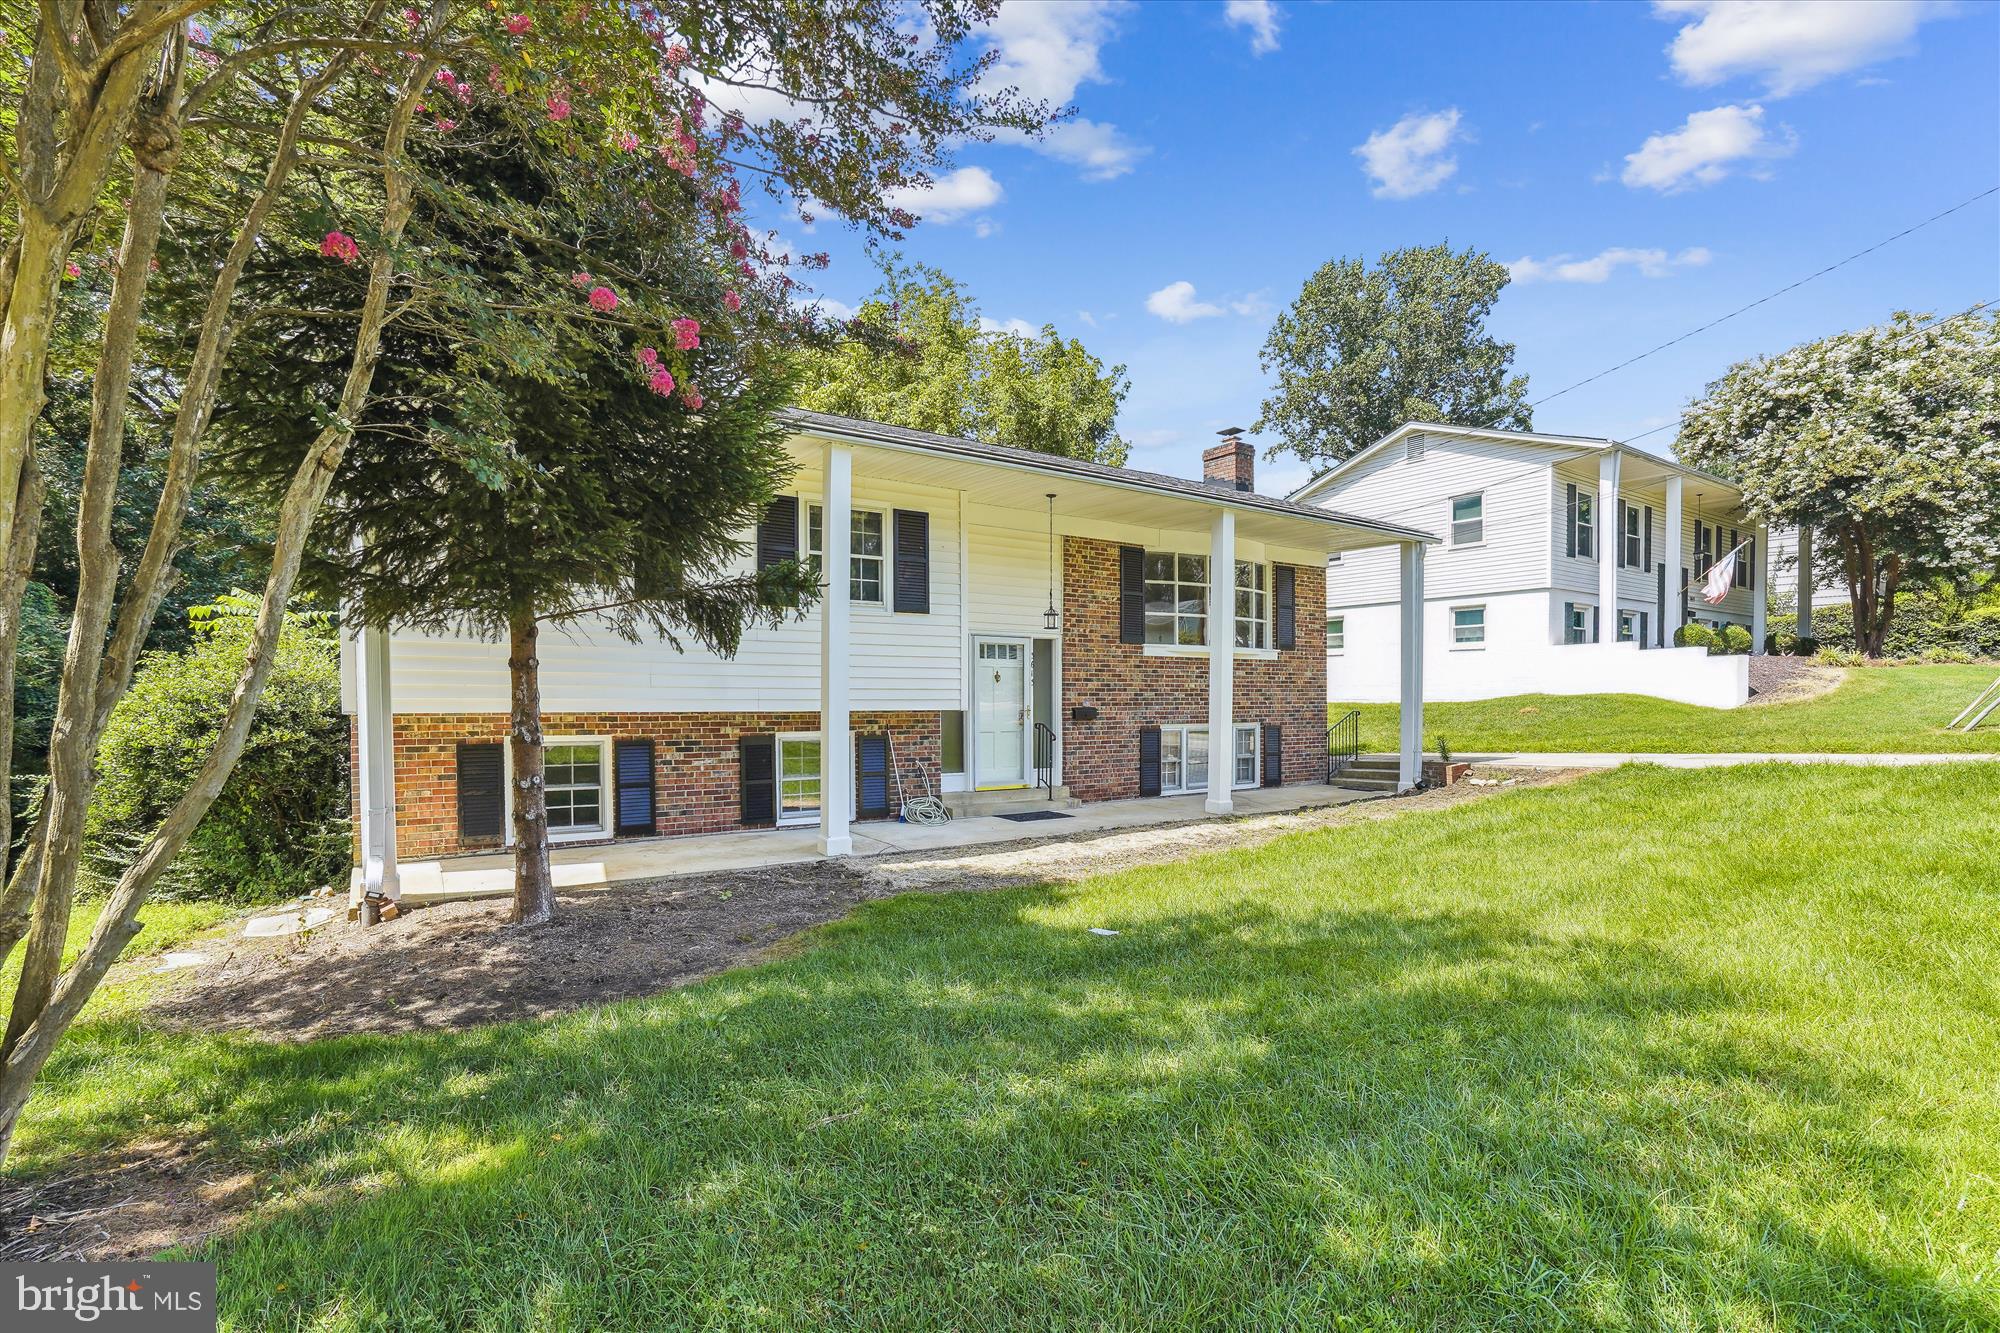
[1413,448]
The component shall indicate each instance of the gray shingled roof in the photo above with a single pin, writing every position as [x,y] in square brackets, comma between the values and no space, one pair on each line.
[1131,478]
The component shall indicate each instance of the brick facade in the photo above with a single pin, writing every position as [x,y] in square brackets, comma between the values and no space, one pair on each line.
[1132,690]
[695,786]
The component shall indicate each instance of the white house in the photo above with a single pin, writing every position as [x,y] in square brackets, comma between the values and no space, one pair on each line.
[1565,568]
[1000,620]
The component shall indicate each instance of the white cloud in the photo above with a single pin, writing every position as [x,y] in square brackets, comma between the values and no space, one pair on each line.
[838,312]
[1790,44]
[1409,158]
[1251,306]
[984,227]
[1089,320]
[1175,303]
[1261,18]
[1020,328]
[1101,151]
[1704,150]
[1653,263]
[1048,51]
[966,190]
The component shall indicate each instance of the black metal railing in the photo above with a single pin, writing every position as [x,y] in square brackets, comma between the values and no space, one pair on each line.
[1343,743]
[1045,757]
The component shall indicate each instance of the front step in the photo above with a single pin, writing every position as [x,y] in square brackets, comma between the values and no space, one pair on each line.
[1011,801]
[1371,773]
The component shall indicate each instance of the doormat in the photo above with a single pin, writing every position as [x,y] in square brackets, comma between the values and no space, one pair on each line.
[1030,816]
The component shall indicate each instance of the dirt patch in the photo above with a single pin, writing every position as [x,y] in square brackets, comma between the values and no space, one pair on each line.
[148,1198]
[460,964]
[1790,680]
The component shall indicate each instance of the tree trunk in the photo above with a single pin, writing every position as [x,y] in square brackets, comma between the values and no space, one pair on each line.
[534,890]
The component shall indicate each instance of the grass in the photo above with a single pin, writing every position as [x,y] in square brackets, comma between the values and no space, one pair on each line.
[162,925]
[1875,710]
[1655,1050]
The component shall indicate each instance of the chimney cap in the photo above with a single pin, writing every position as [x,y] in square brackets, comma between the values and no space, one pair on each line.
[1229,432]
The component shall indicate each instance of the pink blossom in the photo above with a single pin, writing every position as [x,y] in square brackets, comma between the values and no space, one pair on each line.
[687,334]
[339,245]
[446,126]
[446,77]
[579,279]
[731,302]
[558,107]
[738,250]
[70,270]
[661,382]
[603,298]
[648,357]
[677,55]
[519,24]
[692,399]
[628,142]
[748,272]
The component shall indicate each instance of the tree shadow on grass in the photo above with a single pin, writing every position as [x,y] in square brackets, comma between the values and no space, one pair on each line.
[968,1111]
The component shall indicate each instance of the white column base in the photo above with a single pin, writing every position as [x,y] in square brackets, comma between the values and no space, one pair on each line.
[1222,807]
[840,846]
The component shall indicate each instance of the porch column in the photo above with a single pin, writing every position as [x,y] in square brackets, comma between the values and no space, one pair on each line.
[1760,588]
[1805,582]
[836,742]
[374,727]
[1671,622]
[1410,770]
[1221,663]
[1611,524]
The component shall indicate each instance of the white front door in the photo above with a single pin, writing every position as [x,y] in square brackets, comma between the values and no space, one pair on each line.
[1000,712]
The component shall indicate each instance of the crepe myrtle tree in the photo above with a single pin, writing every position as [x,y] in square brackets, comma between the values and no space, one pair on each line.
[547,443]
[1364,349]
[1884,441]
[255,127]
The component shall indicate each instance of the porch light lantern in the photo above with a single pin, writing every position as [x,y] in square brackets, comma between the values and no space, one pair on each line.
[1049,617]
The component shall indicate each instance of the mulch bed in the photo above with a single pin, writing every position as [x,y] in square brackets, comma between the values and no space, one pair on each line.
[1790,679]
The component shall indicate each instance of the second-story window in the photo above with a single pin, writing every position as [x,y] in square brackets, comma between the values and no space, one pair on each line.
[1253,606]
[1176,598]
[866,546]
[1468,519]
[1635,538]
[1586,525]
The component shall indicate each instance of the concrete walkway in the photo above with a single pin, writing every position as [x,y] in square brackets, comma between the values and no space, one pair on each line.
[1719,760]
[492,875]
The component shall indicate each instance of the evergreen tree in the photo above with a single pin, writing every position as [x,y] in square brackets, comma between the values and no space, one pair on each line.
[576,421]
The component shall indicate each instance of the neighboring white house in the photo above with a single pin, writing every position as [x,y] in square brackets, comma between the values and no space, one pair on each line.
[1557,574]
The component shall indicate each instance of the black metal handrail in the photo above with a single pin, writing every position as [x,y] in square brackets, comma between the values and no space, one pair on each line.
[1045,757]
[1343,743]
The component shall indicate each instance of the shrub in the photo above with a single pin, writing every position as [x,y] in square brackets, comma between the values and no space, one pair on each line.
[1695,636]
[1735,640]
[1941,617]
[280,826]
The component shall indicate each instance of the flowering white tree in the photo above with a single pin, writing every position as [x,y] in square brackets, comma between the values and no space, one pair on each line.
[1884,441]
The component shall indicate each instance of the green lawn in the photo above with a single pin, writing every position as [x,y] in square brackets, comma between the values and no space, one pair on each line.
[162,926]
[1649,1050]
[1875,710]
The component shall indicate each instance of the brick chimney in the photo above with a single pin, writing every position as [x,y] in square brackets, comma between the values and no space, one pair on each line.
[1231,464]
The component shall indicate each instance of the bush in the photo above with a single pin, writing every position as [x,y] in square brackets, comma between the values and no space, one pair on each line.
[1735,640]
[1695,636]
[1939,618]
[280,826]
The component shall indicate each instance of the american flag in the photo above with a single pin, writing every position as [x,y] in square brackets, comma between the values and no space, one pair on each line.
[1721,574]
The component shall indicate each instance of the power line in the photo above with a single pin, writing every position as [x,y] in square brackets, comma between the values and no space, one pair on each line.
[1772,297]
[1928,324]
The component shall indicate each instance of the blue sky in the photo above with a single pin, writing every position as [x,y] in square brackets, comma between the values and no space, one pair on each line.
[1657,166]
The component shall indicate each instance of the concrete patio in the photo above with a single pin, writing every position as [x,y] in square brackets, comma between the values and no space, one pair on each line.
[491,875]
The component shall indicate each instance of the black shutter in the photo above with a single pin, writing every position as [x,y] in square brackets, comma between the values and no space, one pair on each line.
[757,778]
[1285,588]
[1274,755]
[1569,616]
[1149,761]
[871,776]
[1132,597]
[481,797]
[1649,539]
[913,561]
[1572,518]
[632,761]
[1618,535]
[1597,624]
[778,533]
